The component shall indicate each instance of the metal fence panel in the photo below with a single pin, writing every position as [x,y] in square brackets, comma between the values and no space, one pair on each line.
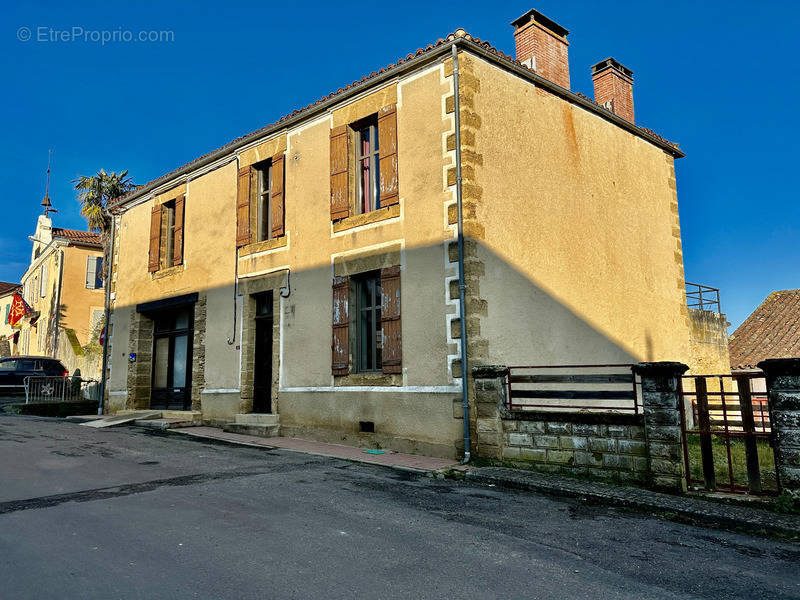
[42,389]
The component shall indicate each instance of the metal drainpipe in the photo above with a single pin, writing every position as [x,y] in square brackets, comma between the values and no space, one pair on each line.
[110,269]
[461,283]
[58,302]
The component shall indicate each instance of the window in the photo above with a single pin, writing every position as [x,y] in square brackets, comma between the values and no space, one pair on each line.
[166,234]
[368,322]
[263,203]
[94,270]
[367,166]
[8,312]
[43,281]
[168,214]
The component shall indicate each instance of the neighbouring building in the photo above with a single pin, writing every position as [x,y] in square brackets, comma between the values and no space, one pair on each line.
[771,331]
[305,276]
[64,288]
[7,291]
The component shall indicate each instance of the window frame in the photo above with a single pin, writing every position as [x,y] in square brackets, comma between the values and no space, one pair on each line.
[264,201]
[372,157]
[361,290]
[169,237]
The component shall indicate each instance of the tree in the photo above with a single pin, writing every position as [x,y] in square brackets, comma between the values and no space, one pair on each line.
[94,194]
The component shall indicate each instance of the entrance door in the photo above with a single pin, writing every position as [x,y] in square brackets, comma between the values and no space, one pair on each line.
[172,359]
[262,368]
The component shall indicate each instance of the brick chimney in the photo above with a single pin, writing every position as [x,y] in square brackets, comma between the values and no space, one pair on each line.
[542,46]
[613,87]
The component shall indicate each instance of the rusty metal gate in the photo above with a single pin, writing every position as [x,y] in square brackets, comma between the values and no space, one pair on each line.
[727,439]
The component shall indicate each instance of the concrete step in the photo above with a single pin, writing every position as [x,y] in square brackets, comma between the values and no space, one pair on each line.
[183,415]
[259,430]
[257,419]
[164,424]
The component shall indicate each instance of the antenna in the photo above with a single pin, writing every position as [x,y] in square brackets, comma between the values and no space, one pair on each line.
[48,207]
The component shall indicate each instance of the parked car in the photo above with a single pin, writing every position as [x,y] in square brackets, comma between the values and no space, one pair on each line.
[14,370]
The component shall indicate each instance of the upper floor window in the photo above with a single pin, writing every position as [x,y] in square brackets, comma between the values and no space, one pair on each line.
[263,212]
[43,281]
[260,202]
[367,165]
[94,272]
[363,158]
[166,234]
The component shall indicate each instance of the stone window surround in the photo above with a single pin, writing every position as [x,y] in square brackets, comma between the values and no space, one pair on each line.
[248,288]
[355,264]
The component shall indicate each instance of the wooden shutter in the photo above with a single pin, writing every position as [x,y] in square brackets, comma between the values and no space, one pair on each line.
[340,153]
[177,238]
[155,239]
[340,347]
[387,139]
[391,331]
[243,208]
[91,272]
[276,201]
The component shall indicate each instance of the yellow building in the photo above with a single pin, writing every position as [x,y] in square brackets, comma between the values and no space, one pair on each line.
[7,291]
[64,289]
[305,276]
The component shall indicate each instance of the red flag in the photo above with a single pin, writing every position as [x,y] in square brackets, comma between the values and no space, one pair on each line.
[19,308]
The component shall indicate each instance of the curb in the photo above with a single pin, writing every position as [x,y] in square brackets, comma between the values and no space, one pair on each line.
[699,512]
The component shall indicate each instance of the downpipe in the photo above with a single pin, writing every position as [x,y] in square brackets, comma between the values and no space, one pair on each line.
[107,325]
[461,279]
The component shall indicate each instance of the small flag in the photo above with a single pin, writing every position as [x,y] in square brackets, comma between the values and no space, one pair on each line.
[19,308]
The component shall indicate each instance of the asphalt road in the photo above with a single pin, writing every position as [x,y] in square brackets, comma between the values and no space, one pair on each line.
[123,513]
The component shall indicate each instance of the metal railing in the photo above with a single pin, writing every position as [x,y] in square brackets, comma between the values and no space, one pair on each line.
[702,297]
[43,389]
[592,388]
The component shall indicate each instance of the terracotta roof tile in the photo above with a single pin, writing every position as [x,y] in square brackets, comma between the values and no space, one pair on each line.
[78,237]
[771,331]
[420,51]
[6,287]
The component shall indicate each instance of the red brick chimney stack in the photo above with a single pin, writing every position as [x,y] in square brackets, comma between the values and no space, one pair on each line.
[542,46]
[613,87]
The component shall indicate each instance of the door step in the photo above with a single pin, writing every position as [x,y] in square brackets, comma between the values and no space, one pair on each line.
[262,425]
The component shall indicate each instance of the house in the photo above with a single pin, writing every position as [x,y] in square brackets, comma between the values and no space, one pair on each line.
[771,331]
[7,291]
[306,276]
[63,287]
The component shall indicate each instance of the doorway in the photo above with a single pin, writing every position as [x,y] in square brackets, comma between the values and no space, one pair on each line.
[262,355]
[172,359]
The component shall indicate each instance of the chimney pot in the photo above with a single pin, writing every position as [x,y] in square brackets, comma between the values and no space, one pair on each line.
[613,87]
[541,45]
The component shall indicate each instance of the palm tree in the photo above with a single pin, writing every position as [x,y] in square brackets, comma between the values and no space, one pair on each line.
[94,194]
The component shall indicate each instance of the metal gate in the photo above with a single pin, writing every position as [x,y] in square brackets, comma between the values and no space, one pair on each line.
[60,389]
[727,439]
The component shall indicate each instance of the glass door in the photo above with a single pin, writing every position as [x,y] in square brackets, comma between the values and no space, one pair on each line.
[172,356]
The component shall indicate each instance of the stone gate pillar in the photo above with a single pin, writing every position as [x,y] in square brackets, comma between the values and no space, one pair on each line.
[490,391]
[662,423]
[783,394]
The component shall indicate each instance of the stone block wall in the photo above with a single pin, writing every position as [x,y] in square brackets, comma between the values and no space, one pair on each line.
[605,446]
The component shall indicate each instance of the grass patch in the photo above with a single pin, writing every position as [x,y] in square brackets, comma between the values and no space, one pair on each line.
[766,461]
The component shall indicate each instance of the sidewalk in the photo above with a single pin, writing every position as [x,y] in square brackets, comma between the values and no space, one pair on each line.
[697,510]
[407,462]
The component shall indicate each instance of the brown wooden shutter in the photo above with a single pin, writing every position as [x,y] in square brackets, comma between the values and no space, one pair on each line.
[391,330]
[155,239]
[341,326]
[243,208]
[387,139]
[277,195]
[177,239]
[340,152]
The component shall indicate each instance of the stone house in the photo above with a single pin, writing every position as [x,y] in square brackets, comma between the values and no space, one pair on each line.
[64,288]
[306,276]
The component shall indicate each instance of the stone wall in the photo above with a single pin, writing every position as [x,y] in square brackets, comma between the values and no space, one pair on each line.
[607,446]
[641,448]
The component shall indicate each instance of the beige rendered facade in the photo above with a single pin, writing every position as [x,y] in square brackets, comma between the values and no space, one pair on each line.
[573,255]
[64,290]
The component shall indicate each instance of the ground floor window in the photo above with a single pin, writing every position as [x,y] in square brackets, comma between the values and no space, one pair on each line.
[367,290]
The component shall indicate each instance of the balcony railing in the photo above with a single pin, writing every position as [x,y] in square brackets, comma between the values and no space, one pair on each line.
[702,297]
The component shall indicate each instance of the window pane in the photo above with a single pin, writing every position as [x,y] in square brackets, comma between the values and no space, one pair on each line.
[8,365]
[182,319]
[375,139]
[179,361]
[161,365]
[98,280]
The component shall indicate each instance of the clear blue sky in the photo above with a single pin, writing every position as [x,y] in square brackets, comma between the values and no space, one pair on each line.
[719,78]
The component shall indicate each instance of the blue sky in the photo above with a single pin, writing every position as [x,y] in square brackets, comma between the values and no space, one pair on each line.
[719,78]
